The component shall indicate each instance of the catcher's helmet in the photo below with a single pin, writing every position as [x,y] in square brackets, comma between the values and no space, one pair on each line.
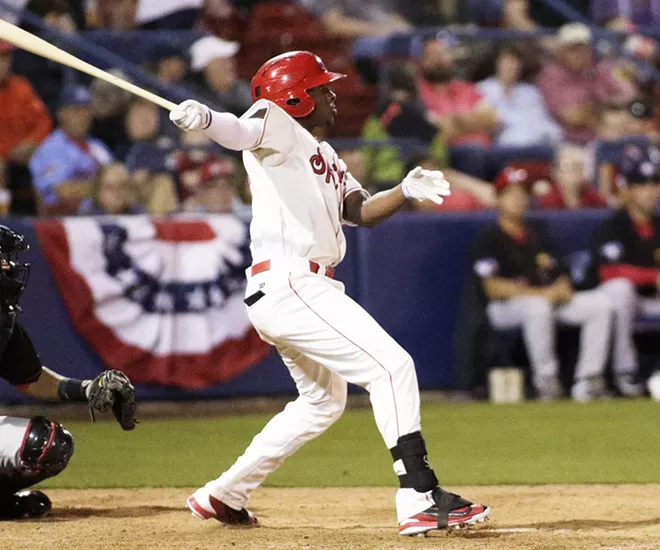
[13,274]
[285,79]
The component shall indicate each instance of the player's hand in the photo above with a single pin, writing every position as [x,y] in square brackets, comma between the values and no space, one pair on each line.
[113,390]
[191,116]
[423,185]
[564,290]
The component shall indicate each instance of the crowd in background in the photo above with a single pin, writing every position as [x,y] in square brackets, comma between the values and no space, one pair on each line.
[514,124]
[567,92]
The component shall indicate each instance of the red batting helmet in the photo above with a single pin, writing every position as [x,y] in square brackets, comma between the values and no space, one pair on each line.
[285,79]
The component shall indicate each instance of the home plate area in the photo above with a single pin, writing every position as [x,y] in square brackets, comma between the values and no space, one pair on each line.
[602,517]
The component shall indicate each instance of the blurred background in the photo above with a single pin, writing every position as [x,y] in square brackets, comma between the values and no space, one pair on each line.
[139,233]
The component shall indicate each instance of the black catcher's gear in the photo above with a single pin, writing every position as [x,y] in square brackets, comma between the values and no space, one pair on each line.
[113,390]
[47,447]
[24,504]
[13,274]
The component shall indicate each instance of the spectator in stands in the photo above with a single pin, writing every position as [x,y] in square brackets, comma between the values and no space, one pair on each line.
[215,193]
[24,124]
[213,62]
[575,88]
[109,106]
[172,69]
[402,115]
[523,287]
[47,77]
[457,106]
[65,164]
[519,14]
[627,258]
[638,12]
[357,18]
[145,123]
[168,14]
[119,15]
[521,111]
[113,193]
[568,188]
[615,123]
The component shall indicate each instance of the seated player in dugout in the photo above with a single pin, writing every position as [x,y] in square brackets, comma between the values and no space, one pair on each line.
[627,259]
[35,449]
[524,288]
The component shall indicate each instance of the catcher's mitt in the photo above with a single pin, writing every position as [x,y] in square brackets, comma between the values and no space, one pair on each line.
[113,389]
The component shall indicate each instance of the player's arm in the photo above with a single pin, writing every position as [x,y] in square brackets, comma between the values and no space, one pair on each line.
[110,390]
[499,288]
[46,387]
[370,211]
[418,185]
[226,129]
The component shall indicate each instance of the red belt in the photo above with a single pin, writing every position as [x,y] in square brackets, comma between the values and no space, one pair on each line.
[313,267]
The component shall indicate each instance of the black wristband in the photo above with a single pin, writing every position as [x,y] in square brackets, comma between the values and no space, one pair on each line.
[72,389]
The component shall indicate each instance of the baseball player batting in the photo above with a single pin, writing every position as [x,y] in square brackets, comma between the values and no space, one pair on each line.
[301,195]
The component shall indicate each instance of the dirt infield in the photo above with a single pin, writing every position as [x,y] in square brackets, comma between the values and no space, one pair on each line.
[558,517]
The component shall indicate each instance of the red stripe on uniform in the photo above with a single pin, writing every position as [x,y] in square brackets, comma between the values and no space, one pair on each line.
[49,444]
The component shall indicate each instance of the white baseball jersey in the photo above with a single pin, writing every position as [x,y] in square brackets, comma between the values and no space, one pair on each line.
[298,187]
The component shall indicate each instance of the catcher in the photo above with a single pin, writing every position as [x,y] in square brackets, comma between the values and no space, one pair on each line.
[34,449]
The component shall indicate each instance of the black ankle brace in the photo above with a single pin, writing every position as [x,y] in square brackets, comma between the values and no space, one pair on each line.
[411,449]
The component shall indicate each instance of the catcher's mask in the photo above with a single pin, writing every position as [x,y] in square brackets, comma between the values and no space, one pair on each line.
[13,274]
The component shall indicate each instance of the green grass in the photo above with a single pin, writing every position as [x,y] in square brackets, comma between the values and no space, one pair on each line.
[476,444]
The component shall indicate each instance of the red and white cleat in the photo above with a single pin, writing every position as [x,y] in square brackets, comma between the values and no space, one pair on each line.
[205,506]
[449,512]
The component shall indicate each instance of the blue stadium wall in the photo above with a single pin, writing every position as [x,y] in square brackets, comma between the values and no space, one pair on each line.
[408,273]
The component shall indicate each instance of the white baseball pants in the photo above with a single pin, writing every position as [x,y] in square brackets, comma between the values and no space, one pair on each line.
[326,340]
[537,317]
[627,304]
[12,434]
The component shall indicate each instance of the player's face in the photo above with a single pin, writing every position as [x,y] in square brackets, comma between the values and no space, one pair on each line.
[569,168]
[513,200]
[644,197]
[325,110]
[508,68]
[75,120]
[578,57]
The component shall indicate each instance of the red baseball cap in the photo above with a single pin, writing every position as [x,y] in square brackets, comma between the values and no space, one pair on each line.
[6,47]
[512,175]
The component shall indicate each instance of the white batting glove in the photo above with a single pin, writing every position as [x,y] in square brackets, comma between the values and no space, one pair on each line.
[425,184]
[191,116]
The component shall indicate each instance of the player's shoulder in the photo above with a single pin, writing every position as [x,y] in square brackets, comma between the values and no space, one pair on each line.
[264,109]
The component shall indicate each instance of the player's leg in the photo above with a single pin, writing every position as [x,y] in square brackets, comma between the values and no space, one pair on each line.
[321,401]
[624,302]
[591,310]
[31,450]
[315,317]
[534,314]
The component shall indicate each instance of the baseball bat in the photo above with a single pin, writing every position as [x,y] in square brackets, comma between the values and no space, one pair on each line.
[33,44]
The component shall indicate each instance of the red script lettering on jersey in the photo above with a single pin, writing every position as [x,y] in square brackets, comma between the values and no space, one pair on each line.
[321,166]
